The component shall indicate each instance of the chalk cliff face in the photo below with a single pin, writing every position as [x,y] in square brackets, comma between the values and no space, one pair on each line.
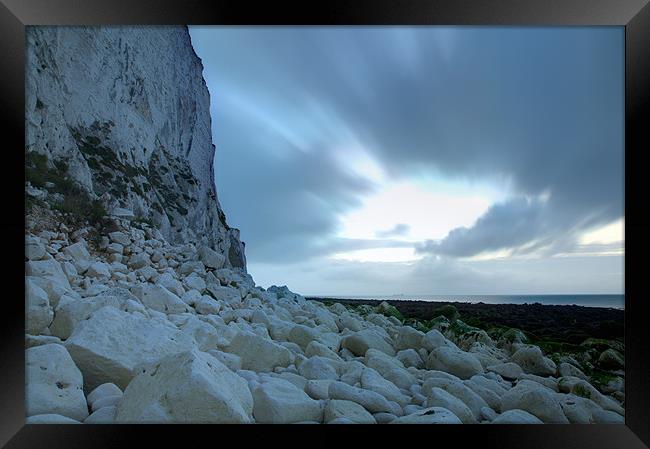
[128,112]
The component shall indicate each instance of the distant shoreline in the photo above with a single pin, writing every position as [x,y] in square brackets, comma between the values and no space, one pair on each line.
[486,299]
[568,323]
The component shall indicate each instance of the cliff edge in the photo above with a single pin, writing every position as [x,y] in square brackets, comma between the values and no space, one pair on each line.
[123,114]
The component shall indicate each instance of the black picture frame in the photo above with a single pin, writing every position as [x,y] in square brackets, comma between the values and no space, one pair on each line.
[634,15]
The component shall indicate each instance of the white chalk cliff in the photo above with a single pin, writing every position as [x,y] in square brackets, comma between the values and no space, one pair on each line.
[128,111]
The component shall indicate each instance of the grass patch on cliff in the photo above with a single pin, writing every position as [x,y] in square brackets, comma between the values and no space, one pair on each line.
[75,201]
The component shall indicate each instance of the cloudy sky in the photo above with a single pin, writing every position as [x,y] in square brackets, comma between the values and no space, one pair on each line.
[421,160]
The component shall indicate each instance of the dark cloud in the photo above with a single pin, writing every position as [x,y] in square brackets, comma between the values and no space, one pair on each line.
[504,225]
[539,107]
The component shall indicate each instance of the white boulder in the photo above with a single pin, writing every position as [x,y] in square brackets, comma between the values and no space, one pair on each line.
[110,344]
[257,353]
[277,401]
[39,313]
[54,384]
[459,363]
[186,387]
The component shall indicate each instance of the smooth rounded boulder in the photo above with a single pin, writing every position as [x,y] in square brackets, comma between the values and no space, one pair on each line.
[336,409]
[454,361]
[277,401]
[532,361]
[360,342]
[257,353]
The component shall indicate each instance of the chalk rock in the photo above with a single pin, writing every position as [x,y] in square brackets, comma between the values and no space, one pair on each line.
[410,357]
[48,269]
[408,338]
[539,401]
[318,368]
[211,258]
[277,401]
[257,353]
[71,311]
[371,380]
[507,370]
[186,387]
[359,342]
[532,361]
[371,401]
[459,363]
[54,384]
[111,343]
[103,391]
[352,411]
[158,298]
[459,390]
[437,397]
[39,313]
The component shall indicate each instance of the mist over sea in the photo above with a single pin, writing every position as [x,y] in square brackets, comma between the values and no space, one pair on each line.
[611,301]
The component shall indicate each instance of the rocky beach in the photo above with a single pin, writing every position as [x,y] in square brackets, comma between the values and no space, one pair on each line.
[139,307]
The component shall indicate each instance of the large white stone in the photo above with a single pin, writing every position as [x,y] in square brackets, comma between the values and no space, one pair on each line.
[110,344]
[206,336]
[509,370]
[371,401]
[34,249]
[257,353]
[532,361]
[77,251]
[277,401]
[537,400]
[158,298]
[437,397]
[459,363]
[408,338]
[48,269]
[318,368]
[434,339]
[492,399]
[187,387]
[39,313]
[206,305]
[410,357]
[371,380]
[71,311]
[171,283]
[211,258]
[359,342]
[459,390]
[315,348]
[103,391]
[354,412]
[230,295]
[54,384]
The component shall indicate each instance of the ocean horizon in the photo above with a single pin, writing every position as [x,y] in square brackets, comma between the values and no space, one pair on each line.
[585,300]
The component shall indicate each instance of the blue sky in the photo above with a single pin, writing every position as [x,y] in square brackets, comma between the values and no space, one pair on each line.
[421,160]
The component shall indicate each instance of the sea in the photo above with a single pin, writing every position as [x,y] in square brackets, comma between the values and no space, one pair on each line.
[607,301]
